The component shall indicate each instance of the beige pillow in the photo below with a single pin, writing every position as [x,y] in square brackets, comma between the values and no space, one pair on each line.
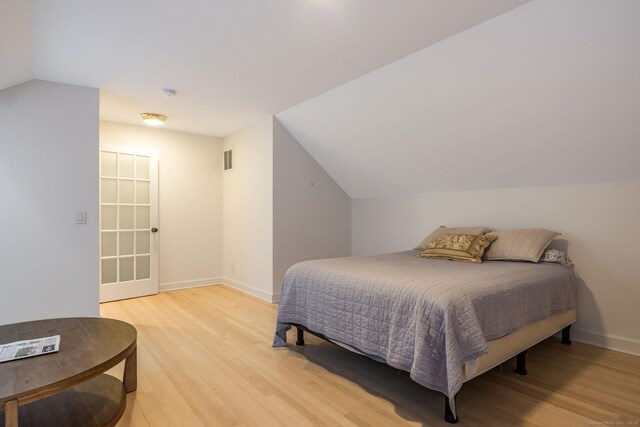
[458,247]
[453,230]
[519,245]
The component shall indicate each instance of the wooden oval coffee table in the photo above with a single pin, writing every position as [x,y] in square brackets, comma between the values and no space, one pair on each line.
[68,387]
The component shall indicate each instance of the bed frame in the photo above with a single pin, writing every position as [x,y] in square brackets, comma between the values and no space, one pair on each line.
[499,350]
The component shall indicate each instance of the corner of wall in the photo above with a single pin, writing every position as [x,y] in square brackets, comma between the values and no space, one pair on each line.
[248,210]
[311,212]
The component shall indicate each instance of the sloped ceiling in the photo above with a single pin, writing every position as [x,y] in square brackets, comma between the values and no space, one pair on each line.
[231,62]
[548,93]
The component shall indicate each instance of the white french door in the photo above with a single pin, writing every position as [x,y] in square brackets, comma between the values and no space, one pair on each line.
[128,222]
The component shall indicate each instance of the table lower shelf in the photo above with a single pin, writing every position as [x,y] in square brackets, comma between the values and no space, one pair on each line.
[99,401]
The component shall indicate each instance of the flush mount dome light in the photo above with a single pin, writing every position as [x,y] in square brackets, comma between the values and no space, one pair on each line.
[153,119]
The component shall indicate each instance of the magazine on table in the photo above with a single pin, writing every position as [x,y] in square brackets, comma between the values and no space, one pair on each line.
[29,348]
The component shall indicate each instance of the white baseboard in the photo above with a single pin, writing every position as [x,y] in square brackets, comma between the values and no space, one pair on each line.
[271,298]
[611,342]
[189,284]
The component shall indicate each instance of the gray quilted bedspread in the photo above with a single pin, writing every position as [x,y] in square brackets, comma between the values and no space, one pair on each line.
[427,317]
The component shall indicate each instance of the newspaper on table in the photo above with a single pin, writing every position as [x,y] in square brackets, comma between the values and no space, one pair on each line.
[29,348]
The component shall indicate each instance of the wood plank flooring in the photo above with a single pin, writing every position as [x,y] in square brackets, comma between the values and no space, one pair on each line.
[205,359]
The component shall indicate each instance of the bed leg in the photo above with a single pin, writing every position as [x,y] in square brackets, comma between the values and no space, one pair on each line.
[448,414]
[521,363]
[300,340]
[566,335]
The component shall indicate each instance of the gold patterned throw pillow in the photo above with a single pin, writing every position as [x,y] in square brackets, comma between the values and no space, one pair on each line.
[443,229]
[458,247]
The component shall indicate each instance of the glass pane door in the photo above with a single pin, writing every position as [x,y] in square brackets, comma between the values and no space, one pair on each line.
[128,247]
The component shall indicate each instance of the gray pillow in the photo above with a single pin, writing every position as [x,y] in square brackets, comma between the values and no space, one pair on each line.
[525,244]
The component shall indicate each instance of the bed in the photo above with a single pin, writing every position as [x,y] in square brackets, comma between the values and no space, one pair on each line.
[444,322]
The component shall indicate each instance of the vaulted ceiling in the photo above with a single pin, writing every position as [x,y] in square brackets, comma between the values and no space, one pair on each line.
[231,62]
[390,97]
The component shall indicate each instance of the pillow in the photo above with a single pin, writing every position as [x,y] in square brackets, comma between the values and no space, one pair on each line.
[525,244]
[556,255]
[453,230]
[458,247]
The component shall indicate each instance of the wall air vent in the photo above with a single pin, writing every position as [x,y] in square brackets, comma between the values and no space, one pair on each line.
[228,160]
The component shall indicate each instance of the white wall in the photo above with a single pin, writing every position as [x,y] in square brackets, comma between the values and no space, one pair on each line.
[311,213]
[248,210]
[48,171]
[599,221]
[190,200]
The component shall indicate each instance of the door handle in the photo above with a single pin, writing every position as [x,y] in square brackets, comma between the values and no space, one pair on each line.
[154,230]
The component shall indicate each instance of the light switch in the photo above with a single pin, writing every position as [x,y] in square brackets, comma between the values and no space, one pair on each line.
[81,217]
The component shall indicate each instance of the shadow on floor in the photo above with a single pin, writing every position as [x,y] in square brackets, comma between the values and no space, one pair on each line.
[499,397]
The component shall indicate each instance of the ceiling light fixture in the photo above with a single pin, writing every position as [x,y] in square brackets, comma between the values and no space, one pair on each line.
[153,119]
[167,93]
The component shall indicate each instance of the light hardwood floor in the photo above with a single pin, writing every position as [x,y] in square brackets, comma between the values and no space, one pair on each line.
[205,359]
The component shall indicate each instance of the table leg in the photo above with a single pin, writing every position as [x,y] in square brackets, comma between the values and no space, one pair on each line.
[11,413]
[130,378]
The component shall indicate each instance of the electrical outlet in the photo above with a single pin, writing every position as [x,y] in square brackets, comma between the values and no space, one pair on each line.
[233,268]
